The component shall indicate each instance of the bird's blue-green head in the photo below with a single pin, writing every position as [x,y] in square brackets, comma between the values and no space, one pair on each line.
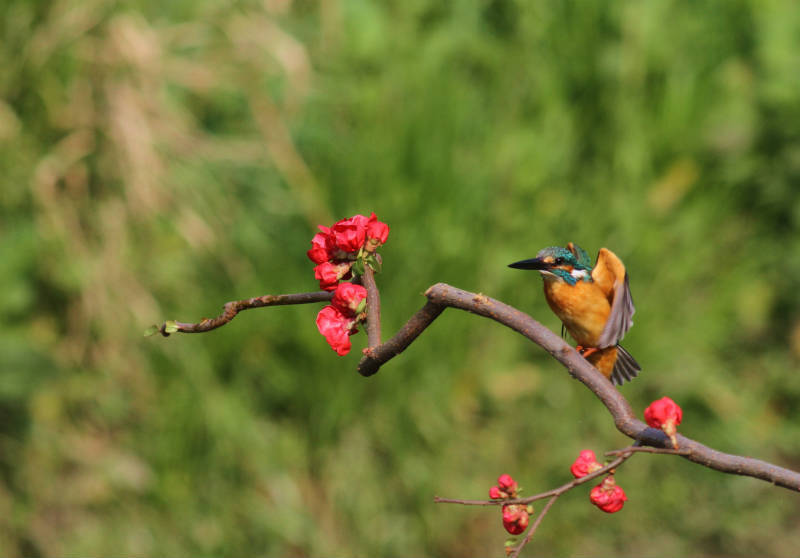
[570,264]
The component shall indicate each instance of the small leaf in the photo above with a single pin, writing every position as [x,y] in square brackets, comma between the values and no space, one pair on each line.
[171,327]
[362,306]
[374,263]
[150,331]
[358,267]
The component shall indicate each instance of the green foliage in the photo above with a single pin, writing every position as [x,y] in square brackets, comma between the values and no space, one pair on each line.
[159,159]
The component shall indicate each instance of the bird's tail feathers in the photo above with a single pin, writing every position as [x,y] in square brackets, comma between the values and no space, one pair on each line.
[625,368]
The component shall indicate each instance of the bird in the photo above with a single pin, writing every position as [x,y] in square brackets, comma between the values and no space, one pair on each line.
[594,304]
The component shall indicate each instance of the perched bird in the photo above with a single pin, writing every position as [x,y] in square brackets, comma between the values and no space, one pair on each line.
[593,303]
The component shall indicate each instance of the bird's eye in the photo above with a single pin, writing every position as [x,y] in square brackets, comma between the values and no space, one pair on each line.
[559,261]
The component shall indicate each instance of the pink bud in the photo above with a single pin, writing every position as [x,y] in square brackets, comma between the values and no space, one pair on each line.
[496,494]
[329,274]
[377,233]
[506,483]
[348,297]
[321,246]
[349,234]
[585,464]
[608,496]
[665,414]
[515,518]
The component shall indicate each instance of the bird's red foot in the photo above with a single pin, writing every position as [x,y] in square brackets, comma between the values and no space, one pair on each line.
[586,351]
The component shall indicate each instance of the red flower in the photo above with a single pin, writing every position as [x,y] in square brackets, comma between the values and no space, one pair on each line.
[665,414]
[321,246]
[349,234]
[348,298]
[506,483]
[377,233]
[329,274]
[608,496]
[515,518]
[585,464]
[337,329]
[496,494]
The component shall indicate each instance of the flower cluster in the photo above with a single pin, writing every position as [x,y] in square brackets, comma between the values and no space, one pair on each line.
[338,321]
[342,250]
[665,414]
[515,516]
[607,495]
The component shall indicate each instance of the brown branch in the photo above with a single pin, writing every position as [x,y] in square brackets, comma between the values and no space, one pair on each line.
[542,495]
[373,308]
[442,295]
[552,494]
[532,529]
[644,449]
[232,308]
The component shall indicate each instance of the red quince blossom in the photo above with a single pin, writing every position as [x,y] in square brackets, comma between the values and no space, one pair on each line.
[608,495]
[506,483]
[348,297]
[506,488]
[515,518]
[321,246]
[377,233]
[665,414]
[585,464]
[496,494]
[336,328]
[329,274]
[349,234]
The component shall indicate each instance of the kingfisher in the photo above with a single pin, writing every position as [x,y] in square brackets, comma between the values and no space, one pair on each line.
[594,304]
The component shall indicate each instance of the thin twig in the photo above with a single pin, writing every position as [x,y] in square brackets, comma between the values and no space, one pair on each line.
[232,308]
[644,449]
[532,528]
[541,496]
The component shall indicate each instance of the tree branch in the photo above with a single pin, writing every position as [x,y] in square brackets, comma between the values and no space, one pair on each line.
[232,308]
[441,296]
[373,308]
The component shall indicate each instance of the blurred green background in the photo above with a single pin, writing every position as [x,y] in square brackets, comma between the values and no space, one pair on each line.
[160,158]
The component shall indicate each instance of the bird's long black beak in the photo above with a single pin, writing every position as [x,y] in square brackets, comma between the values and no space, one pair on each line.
[533,263]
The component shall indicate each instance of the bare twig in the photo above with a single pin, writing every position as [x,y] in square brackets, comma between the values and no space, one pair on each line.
[232,308]
[541,496]
[532,528]
[644,449]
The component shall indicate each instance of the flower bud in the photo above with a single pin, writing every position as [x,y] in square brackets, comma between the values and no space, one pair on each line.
[349,234]
[329,274]
[506,483]
[348,297]
[496,494]
[585,464]
[665,414]
[608,496]
[321,247]
[515,519]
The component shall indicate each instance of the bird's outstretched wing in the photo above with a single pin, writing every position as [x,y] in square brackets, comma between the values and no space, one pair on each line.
[609,274]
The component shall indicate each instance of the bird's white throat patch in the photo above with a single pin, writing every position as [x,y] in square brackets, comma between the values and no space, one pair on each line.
[579,274]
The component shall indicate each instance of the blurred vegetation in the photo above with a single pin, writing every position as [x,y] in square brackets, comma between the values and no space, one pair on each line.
[160,158]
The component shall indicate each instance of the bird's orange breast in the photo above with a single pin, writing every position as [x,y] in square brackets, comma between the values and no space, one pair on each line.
[583,308]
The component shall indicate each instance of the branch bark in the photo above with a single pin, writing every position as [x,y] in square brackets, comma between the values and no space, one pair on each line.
[441,296]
